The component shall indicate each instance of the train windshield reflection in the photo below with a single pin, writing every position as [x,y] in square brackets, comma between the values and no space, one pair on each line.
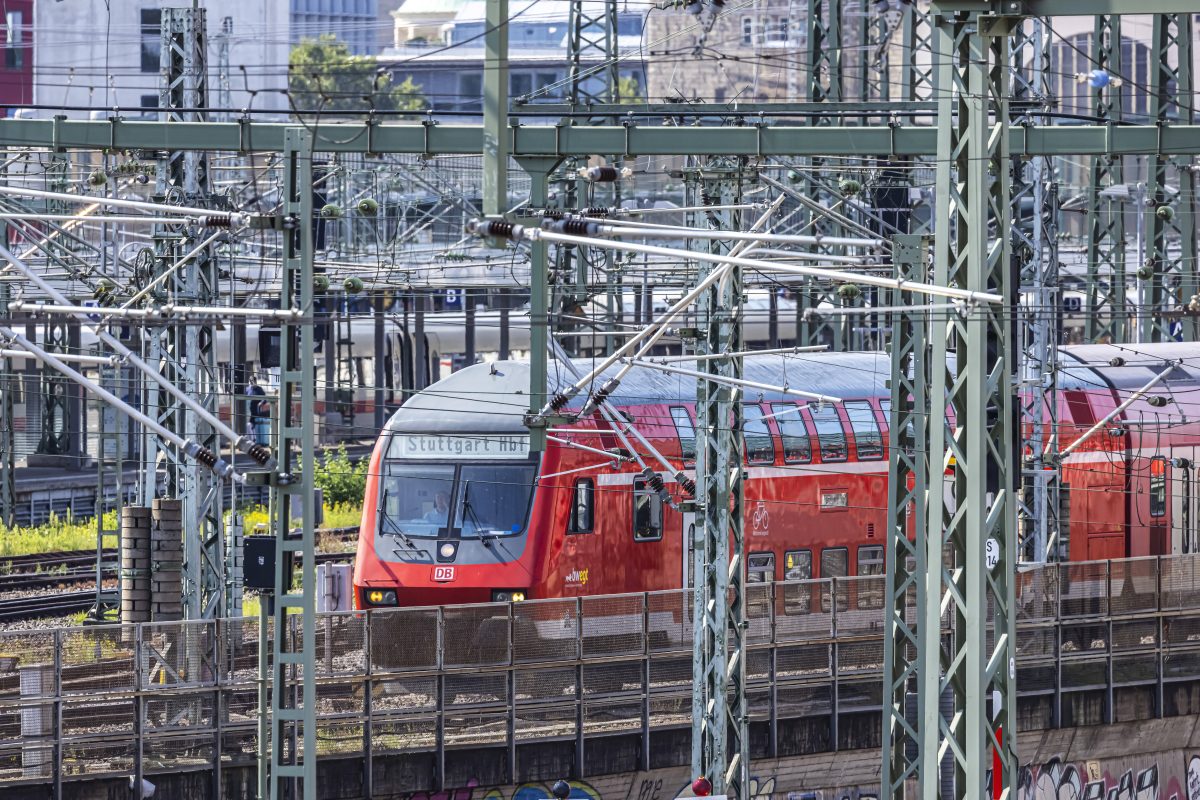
[440,500]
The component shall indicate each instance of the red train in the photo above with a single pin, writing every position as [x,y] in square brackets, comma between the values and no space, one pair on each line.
[457,510]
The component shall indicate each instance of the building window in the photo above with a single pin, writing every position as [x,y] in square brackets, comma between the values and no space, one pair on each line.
[747,30]
[14,40]
[470,92]
[647,513]
[581,506]
[151,39]
[148,103]
[780,34]
[545,79]
[520,85]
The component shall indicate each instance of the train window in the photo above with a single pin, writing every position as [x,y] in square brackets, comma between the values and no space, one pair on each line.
[760,567]
[870,560]
[867,439]
[687,434]
[647,513]
[1158,486]
[830,434]
[493,500]
[582,498]
[760,447]
[870,589]
[886,407]
[797,447]
[835,563]
[415,500]
[797,565]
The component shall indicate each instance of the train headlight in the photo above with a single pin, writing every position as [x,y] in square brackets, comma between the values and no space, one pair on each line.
[381,597]
[447,551]
[507,595]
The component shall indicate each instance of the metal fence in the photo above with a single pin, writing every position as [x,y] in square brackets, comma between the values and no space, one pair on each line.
[157,697]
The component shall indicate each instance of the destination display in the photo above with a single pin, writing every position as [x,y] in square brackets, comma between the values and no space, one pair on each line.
[406,445]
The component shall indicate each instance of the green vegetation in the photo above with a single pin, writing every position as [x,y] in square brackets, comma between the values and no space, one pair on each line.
[323,77]
[58,533]
[342,515]
[67,533]
[629,91]
[340,480]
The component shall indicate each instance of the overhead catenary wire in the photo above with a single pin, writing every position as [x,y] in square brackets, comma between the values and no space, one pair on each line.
[244,443]
[219,466]
[166,209]
[652,333]
[738,382]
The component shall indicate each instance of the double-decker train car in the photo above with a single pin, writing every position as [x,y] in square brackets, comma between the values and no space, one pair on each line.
[458,509]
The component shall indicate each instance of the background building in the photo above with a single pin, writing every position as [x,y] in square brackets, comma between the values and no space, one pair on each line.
[355,22]
[105,55]
[441,46]
[16,37]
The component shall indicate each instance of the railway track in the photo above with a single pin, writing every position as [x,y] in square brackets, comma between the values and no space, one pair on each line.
[56,570]
[15,609]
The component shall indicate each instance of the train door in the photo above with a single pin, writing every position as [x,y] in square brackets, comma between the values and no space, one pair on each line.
[1098,475]
[1184,506]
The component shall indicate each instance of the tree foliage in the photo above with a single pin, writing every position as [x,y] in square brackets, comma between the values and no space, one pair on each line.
[340,480]
[324,76]
[629,91]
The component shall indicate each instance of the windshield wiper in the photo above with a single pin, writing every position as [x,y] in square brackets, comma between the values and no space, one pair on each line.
[469,509]
[396,531]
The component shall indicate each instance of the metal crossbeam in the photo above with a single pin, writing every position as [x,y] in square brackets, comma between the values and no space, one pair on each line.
[564,140]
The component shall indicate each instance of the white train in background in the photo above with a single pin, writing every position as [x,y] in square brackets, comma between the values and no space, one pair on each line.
[415,354]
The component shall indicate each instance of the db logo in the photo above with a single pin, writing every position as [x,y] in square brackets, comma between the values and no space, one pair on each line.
[443,574]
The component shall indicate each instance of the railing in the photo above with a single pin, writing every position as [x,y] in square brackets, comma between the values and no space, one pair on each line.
[157,697]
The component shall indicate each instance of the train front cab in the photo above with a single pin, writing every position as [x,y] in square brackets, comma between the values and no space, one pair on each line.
[446,520]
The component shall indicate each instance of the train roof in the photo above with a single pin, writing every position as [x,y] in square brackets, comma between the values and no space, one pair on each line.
[488,398]
[1126,367]
[493,398]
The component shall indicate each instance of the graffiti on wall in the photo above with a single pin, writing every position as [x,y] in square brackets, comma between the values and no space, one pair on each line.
[1059,780]
[1168,778]
[580,790]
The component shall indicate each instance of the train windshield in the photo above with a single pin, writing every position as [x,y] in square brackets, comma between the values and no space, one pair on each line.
[443,500]
[493,499]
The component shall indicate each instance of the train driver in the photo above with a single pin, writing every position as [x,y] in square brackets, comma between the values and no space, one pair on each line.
[441,507]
